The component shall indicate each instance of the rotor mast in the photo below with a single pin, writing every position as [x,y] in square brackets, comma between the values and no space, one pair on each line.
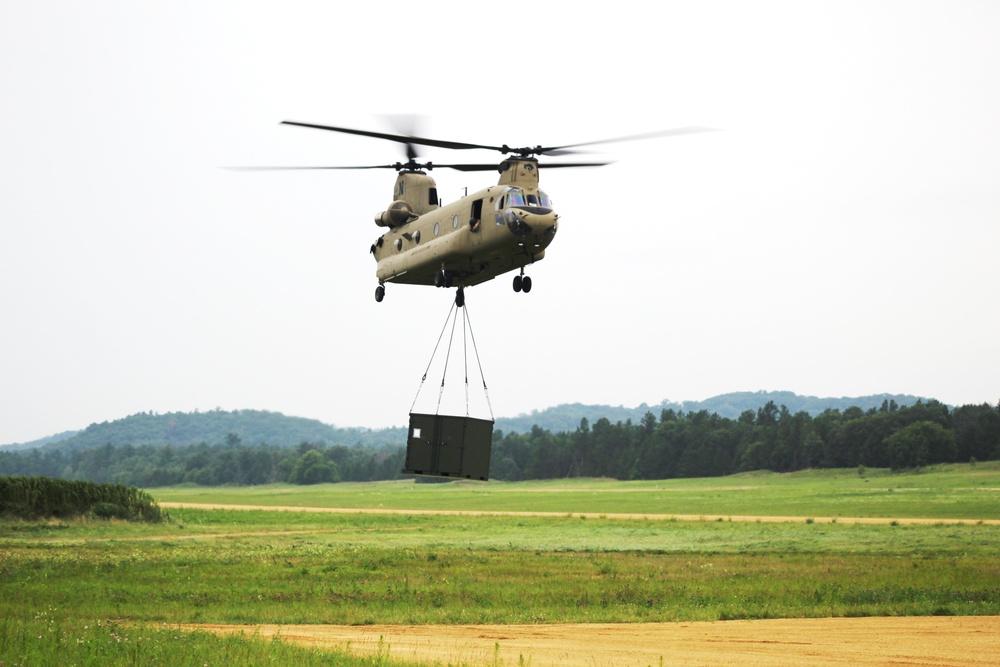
[519,171]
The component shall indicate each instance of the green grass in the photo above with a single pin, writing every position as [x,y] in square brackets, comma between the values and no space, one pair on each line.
[61,581]
[49,639]
[244,567]
[960,491]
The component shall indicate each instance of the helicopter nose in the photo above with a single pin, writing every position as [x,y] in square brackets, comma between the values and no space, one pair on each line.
[526,220]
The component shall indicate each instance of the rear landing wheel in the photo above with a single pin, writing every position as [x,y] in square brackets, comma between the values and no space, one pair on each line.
[518,283]
[526,284]
[379,293]
[460,297]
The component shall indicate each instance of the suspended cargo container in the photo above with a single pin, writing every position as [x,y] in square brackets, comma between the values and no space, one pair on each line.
[449,446]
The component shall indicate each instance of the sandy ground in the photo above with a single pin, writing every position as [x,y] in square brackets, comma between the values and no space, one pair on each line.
[917,641]
[924,641]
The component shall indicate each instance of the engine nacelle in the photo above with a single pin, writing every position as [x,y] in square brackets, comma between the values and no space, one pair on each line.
[399,213]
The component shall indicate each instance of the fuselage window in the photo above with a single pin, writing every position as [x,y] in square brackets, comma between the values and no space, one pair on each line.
[454,222]
[399,244]
[437,228]
[416,237]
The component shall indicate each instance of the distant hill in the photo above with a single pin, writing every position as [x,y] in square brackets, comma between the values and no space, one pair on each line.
[190,428]
[258,426]
[567,417]
[38,443]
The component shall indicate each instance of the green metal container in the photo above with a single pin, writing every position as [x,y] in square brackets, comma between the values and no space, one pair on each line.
[448,446]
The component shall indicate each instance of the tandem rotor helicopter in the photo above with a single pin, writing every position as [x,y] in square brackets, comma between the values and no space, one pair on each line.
[502,228]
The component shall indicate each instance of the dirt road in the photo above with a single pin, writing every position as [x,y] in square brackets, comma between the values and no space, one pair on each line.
[924,641]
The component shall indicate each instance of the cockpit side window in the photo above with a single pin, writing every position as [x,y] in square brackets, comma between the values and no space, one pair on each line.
[543,200]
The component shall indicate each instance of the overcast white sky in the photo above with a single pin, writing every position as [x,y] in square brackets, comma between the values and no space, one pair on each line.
[838,237]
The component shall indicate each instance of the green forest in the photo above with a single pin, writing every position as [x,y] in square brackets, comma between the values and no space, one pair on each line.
[229,462]
[703,444]
[671,444]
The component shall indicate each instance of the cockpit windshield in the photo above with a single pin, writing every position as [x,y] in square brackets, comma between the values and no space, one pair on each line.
[541,200]
[516,197]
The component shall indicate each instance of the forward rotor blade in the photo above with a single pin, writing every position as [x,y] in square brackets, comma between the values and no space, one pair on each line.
[561,150]
[493,166]
[556,165]
[410,141]
[496,167]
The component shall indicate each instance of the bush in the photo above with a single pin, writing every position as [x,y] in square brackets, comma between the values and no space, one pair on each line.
[43,497]
[109,511]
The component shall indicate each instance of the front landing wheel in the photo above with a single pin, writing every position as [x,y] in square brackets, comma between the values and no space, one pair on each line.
[379,293]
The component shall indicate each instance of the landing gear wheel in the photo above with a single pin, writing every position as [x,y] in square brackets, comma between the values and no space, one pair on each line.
[460,297]
[526,284]
[379,293]
[519,283]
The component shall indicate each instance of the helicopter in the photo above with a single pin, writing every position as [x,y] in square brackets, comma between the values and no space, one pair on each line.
[501,228]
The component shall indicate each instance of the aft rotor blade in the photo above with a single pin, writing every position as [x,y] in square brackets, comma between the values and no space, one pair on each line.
[403,139]
[466,167]
[370,166]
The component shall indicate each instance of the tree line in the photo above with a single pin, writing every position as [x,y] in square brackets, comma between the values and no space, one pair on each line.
[230,462]
[703,444]
[675,444]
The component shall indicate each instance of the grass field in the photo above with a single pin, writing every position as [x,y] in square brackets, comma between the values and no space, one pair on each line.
[941,492]
[61,582]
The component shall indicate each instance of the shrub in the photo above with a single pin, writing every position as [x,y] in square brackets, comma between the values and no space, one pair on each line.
[109,511]
[43,497]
